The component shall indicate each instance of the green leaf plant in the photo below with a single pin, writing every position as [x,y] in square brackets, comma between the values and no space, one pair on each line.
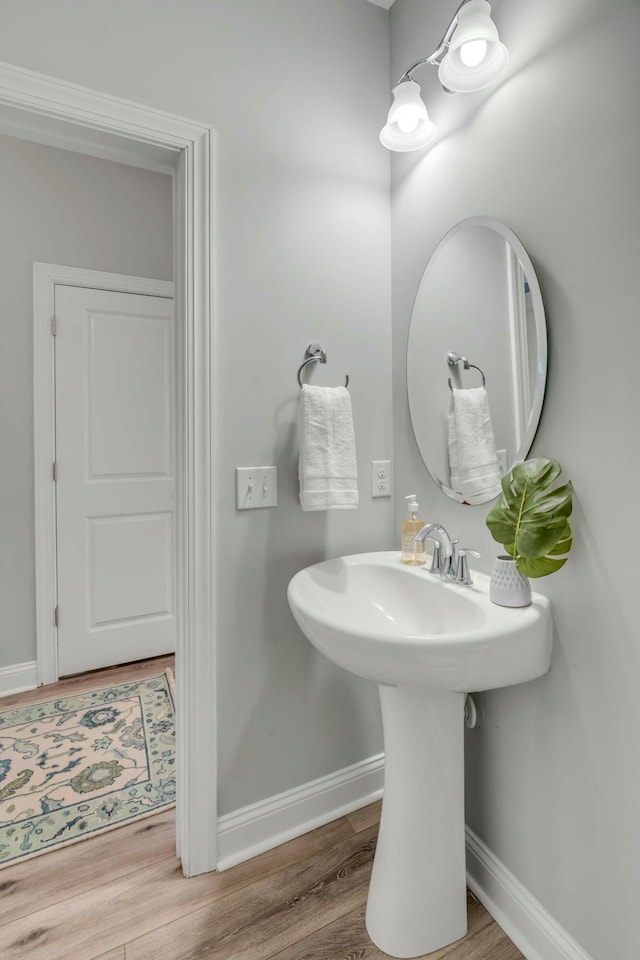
[530,519]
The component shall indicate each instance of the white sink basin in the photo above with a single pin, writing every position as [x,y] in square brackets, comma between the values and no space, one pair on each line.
[396,624]
[426,643]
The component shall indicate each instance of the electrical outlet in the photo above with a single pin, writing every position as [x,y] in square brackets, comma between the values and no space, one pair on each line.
[256,487]
[380,478]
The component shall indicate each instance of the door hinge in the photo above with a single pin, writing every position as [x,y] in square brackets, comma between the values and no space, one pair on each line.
[53,326]
[55,617]
[54,471]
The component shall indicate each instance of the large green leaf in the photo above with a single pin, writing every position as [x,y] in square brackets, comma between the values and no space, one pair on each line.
[540,567]
[543,566]
[530,517]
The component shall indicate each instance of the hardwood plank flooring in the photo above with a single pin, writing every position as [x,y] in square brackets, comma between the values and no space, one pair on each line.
[133,904]
[95,680]
[122,896]
[365,817]
[347,938]
[273,913]
[52,877]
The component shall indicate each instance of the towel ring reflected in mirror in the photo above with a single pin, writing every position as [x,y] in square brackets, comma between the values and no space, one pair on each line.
[315,354]
[479,292]
[454,358]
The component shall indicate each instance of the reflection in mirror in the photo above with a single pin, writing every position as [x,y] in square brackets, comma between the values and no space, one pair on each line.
[476,359]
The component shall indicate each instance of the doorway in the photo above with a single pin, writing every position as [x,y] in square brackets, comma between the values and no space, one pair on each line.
[48,110]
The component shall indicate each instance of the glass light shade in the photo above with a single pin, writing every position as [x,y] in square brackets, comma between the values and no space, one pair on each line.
[461,70]
[408,126]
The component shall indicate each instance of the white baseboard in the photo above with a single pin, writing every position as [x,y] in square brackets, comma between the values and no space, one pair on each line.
[16,679]
[252,830]
[533,930]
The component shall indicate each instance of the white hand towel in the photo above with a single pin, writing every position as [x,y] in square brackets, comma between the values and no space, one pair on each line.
[473,463]
[327,466]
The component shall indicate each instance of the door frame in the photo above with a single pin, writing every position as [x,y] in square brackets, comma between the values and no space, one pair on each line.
[46,276]
[51,111]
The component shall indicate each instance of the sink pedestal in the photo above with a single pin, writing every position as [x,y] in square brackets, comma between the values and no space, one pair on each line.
[417,896]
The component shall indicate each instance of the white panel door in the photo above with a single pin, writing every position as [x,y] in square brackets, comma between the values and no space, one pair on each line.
[115,485]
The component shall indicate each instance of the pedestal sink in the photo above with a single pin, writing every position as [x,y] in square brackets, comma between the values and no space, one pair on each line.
[426,643]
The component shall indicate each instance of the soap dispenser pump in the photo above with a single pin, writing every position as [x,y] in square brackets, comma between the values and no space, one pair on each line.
[413,553]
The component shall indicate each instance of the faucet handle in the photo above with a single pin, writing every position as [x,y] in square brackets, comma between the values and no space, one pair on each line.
[461,574]
[437,562]
[451,563]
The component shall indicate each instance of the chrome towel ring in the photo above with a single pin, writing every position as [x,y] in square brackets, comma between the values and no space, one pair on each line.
[314,354]
[453,358]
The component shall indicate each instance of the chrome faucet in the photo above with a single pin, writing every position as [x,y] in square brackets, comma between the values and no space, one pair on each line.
[449,562]
[443,550]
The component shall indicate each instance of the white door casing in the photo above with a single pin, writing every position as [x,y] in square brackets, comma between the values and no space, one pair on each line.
[115,477]
[99,125]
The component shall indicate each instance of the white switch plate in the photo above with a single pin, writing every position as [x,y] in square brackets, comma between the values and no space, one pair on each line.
[380,478]
[256,487]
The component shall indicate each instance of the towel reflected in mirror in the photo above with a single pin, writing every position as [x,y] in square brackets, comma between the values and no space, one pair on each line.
[473,463]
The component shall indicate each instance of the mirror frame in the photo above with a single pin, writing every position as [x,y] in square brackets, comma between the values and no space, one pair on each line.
[541,334]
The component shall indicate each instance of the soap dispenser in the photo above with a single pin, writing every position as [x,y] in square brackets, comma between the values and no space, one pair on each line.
[413,553]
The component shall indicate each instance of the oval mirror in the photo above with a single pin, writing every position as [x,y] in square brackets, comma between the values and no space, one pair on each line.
[476,359]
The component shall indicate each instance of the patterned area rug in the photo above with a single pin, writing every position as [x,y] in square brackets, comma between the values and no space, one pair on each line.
[73,766]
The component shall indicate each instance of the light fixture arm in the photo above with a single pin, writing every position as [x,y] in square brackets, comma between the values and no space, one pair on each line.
[435,58]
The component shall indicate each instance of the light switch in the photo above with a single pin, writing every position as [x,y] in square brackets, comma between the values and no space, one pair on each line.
[256,487]
[380,478]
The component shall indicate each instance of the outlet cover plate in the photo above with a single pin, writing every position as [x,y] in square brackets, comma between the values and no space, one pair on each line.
[380,478]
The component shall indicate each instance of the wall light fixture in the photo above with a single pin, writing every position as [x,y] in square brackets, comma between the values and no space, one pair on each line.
[469,57]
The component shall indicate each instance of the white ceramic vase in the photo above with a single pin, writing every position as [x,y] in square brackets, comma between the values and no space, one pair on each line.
[509,588]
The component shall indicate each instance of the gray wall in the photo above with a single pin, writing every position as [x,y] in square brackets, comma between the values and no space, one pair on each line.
[554,152]
[56,207]
[295,90]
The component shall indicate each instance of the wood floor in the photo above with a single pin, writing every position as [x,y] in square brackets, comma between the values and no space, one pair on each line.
[122,896]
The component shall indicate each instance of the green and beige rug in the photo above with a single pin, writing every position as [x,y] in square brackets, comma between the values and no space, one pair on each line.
[81,764]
